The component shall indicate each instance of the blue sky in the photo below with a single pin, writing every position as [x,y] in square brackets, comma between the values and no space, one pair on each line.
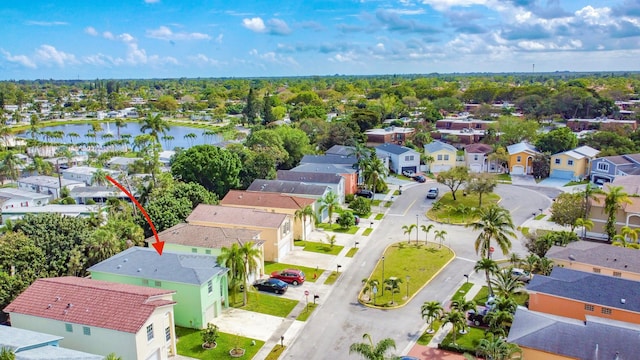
[180,38]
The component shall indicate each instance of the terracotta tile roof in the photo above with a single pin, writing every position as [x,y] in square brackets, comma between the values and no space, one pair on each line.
[236,216]
[206,236]
[260,199]
[101,304]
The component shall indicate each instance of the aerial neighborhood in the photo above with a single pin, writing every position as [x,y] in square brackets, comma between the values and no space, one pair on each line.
[495,216]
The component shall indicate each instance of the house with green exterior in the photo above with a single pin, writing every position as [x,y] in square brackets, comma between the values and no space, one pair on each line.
[200,284]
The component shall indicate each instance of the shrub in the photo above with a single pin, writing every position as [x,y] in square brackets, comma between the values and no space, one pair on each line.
[210,334]
[349,198]
[346,220]
[360,206]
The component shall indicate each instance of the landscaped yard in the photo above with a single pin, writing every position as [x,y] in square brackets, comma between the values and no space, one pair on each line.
[319,247]
[420,262]
[460,211]
[425,338]
[337,228]
[503,178]
[190,344]
[462,291]
[270,267]
[265,303]
[465,342]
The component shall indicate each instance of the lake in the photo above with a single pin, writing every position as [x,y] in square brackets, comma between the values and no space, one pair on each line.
[109,132]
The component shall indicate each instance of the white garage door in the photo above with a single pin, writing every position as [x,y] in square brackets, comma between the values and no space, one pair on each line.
[476,168]
[517,170]
[440,168]
[155,355]
[284,247]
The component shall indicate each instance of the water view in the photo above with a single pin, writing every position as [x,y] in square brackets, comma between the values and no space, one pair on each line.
[82,134]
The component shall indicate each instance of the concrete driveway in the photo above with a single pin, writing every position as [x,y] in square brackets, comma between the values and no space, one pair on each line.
[553,182]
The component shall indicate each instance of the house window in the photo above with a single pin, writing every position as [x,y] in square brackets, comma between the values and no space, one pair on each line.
[617,274]
[588,307]
[570,162]
[210,286]
[408,158]
[606,311]
[68,327]
[557,161]
[446,157]
[194,250]
[475,157]
[207,251]
[602,166]
[518,158]
[440,157]
[596,270]
[86,330]
[158,283]
[145,282]
[150,332]
[167,334]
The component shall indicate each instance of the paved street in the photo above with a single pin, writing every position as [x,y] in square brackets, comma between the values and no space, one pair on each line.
[341,320]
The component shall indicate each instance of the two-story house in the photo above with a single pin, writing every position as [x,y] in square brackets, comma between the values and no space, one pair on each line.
[389,135]
[628,214]
[521,158]
[99,317]
[276,230]
[607,168]
[335,181]
[200,284]
[294,188]
[477,158]
[443,156]
[401,158]
[572,164]
[350,175]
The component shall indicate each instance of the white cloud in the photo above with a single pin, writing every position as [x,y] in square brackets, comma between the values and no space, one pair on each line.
[47,23]
[447,4]
[108,35]
[164,33]
[91,31]
[278,27]
[254,24]
[203,60]
[125,37]
[151,1]
[273,57]
[219,38]
[135,55]
[20,59]
[49,54]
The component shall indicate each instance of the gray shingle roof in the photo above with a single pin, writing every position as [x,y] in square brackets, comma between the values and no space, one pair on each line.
[329,159]
[598,255]
[596,338]
[171,266]
[520,147]
[340,150]
[324,168]
[589,288]
[393,148]
[55,353]
[17,339]
[309,176]
[436,145]
[287,187]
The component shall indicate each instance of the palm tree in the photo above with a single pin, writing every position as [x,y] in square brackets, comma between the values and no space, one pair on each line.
[428,160]
[5,132]
[496,348]
[515,259]
[40,166]
[505,286]
[615,197]
[302,214]
[494,224]
[408,229]
[393,284]
[119,124]
[10,166]
[369,285]
[430,311]
[250,257]
[113,356]
[330,202]
[233,259]
[463,305]
[190,137]
[590,192]
[8,354]
[457,320]
[361,152]
[426,229]
[498,321]
[99,178]
[167,140]
[545,265]
[73,135]
[439,235]
[531,262]
[585,224]
[34,121]
[489,266]
[370,351]
[374,171]
[156,126]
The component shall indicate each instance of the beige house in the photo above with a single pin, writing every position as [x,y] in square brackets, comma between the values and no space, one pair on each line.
[627,215]
[275,229]
[274,202]
[442,154]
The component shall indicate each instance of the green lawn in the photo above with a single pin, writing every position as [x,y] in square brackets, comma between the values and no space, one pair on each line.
[420,262]
[540,216]
[482,296]
[332,278]
[265,303]
[270,267]
[337,228]
[425,338]
[319,247]
[352,252]
[467,342]
[190,344]
[462,291]
[449,210]
[304,315]
[275,352]
[503,178]
[367,231]
[379,216]
[573,183]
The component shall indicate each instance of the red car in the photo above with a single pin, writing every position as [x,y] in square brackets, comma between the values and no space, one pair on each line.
[291,276]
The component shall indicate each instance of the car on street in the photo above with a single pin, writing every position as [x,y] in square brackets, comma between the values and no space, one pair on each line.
[521,275]
[420,178]
[433,193]
[365,193]
[271,285]
[291,276]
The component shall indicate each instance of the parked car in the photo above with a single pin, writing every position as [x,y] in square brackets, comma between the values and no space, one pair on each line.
[420,178]
[477,317]
[271,285]
[433,193]
[521,275]
[409,173]
[291,276]
[365,193]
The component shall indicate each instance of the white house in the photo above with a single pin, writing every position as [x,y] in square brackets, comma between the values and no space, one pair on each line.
[49,185]
[32,345]
[85,173]
[99,317]
[401,158]
[16,198]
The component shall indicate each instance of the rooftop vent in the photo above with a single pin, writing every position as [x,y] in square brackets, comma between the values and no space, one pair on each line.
[119,266]
[623,301]
[139,270]
[69,305]
[49,306]
[57,298]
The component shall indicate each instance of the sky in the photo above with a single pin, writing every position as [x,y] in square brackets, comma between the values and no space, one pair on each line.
[73,39]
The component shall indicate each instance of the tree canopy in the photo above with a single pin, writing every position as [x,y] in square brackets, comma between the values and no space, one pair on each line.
[214,168]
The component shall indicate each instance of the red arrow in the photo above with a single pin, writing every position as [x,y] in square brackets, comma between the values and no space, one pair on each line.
[159,245]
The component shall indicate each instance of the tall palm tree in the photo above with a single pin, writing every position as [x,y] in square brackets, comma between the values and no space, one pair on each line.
[426,229]
[191,137]
[585,224]
[119,124]
[589,193]
[439,235]
[545,265]
[155,124]
[250,257]
[40,166]
[515,260]
[505,286]
[494,224]
[73,135]
[463,305]
[167,140]
[370,351]
[393,284]
[531,263]
[430,311]
[408,229]
[329,202]
[99,178]
[496,348]
[457,321]
[233,259]
[302,214]
[369,285]
[374,172]
[10,166]
[615,197]
[490,267]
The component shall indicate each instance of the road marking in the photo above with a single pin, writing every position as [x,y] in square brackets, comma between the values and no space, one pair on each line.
[409,207]
[465,259]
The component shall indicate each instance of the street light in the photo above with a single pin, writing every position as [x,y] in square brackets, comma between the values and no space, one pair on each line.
[408,278]
[383,275]
[417,229]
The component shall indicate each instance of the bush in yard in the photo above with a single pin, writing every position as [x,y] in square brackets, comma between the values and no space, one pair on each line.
[360,206]
[346,220]
[349,198]
[209,336]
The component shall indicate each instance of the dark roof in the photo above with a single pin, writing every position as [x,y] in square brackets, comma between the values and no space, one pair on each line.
[340,150]
[616,159]
[598,255]
[590,288]
[287,187]
[478,148]
[324,168]
[633,157]
[309,176]
[393,148]
[175,267]
[595,338]
[329,159]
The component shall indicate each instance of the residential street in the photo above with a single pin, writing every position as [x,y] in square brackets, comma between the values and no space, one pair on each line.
[341,320]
